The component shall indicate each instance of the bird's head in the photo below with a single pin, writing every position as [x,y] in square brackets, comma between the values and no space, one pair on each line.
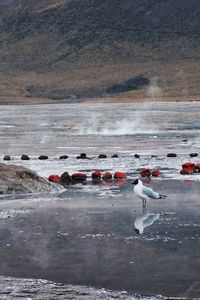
[136,181]
[138,231]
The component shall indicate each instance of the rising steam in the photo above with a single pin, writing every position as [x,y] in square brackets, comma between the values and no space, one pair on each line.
[154,91]
[120,122]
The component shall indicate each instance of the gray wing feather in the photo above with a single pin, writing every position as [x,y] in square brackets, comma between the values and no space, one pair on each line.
[150,193]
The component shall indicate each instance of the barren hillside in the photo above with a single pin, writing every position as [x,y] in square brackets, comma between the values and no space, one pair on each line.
[73,49]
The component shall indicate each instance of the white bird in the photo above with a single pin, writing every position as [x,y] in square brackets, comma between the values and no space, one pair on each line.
[144,192]
[145,220]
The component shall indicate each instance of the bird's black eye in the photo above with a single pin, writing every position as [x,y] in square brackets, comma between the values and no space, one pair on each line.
[135,182]
[137,231]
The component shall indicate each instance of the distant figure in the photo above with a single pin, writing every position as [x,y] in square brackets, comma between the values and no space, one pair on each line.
[145,220]
[145,193]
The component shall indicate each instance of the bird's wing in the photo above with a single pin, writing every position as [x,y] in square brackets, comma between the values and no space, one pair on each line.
[150,193]
[151,218]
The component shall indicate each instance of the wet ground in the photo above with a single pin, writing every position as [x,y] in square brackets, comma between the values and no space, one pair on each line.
[87,234]
[57,129]
[90,239]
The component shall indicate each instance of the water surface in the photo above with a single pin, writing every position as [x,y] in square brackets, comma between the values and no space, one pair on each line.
[90,239]
[87,235]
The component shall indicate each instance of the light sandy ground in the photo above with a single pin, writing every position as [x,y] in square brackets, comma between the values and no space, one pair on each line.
[125,98]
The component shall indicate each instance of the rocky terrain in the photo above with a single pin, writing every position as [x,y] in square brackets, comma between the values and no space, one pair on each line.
[20,180]
[67,50]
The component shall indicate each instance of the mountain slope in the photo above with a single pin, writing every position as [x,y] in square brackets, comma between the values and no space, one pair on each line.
[81,48]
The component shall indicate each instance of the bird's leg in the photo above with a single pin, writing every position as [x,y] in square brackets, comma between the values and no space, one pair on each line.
[144,202]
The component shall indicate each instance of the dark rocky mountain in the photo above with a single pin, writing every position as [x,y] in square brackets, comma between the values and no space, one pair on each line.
[69,49]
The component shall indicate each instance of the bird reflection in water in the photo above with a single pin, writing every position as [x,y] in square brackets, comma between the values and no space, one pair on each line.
[145,220]
[145,193]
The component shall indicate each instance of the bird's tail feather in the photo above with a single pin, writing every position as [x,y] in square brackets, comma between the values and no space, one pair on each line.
[162,196]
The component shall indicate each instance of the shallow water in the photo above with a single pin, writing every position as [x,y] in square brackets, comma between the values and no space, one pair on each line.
[87,234]
[84,238]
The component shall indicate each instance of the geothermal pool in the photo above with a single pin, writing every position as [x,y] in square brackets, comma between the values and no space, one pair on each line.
[86,234]
[93,128]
